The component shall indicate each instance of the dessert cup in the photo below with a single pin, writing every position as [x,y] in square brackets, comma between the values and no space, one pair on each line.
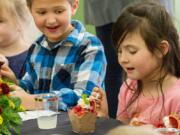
[168,131]
[84,123]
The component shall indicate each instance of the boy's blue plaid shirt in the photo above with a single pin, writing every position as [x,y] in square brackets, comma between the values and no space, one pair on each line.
[74,65]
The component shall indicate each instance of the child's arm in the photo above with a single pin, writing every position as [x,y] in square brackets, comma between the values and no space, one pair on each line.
[90,67]
[27,99]
[88,72]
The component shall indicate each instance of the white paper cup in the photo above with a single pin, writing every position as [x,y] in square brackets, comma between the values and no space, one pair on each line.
[47,110]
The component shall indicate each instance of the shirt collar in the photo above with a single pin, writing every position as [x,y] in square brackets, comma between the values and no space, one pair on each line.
[72,39]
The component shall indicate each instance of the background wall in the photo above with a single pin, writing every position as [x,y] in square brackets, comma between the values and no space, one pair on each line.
[80,15]
[177,14]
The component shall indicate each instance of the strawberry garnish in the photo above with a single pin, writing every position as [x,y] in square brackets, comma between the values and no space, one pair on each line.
[77,108]
[160,125]
[173,121]
[92,106]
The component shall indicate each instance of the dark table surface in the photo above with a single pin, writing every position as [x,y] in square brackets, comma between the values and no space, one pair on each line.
[103,125]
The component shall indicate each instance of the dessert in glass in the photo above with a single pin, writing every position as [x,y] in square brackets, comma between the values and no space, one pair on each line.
[171,125]
[83,116]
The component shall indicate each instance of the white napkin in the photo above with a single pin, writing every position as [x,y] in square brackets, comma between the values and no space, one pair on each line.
[28,115]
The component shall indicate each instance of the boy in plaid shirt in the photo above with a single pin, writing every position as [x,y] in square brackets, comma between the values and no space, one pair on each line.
[65,59]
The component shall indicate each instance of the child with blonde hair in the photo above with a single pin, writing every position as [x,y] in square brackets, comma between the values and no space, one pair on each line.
[65,59]
[14,31]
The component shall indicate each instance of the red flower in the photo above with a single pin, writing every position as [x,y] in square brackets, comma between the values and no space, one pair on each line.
[5,88]
[1,110]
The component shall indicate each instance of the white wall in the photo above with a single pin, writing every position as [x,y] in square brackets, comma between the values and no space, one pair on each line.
[177,14]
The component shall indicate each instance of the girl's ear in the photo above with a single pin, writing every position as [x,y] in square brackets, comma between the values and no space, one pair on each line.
[74,7]
[164,45]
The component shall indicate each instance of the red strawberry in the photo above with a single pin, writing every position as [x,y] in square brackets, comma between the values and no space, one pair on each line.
[77,108]
[92,105]
[81,113]
[1,110]
[160,125]
[173,121]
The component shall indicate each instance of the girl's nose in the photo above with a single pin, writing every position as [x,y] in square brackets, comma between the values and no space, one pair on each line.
[123,58]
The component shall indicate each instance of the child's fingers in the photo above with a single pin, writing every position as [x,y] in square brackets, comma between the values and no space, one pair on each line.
[7,72]
[98,106]
[3,60]
[96,95]
[5,67]
[95,89]
[98,102]
[98,90]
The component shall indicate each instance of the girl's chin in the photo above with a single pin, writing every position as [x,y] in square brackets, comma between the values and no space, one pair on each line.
[133,77]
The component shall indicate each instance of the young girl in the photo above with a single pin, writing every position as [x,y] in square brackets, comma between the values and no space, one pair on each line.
[14,44]
[149,52]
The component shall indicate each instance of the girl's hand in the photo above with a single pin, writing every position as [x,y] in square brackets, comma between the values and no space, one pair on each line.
[28,101]
[7,72]
[99,96]
[3,60]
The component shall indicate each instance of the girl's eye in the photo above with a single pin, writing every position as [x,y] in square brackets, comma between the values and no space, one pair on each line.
[132,50]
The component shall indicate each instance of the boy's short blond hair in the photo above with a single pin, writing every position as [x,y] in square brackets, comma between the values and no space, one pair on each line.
[29,2]
[130,130]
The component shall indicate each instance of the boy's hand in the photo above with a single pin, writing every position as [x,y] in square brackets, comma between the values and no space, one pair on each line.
[28,101]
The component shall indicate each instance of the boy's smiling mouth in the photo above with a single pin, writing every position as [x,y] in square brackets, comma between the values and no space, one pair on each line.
[52,28]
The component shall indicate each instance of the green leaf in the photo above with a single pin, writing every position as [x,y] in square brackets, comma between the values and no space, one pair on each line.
[4,103]
[84,97]
[10,107]
[7,81]
[12,116]
[16,119]
[16,129]
[17,102]
[4,130]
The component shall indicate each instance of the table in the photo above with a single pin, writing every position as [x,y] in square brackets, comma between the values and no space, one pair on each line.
[103,125]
